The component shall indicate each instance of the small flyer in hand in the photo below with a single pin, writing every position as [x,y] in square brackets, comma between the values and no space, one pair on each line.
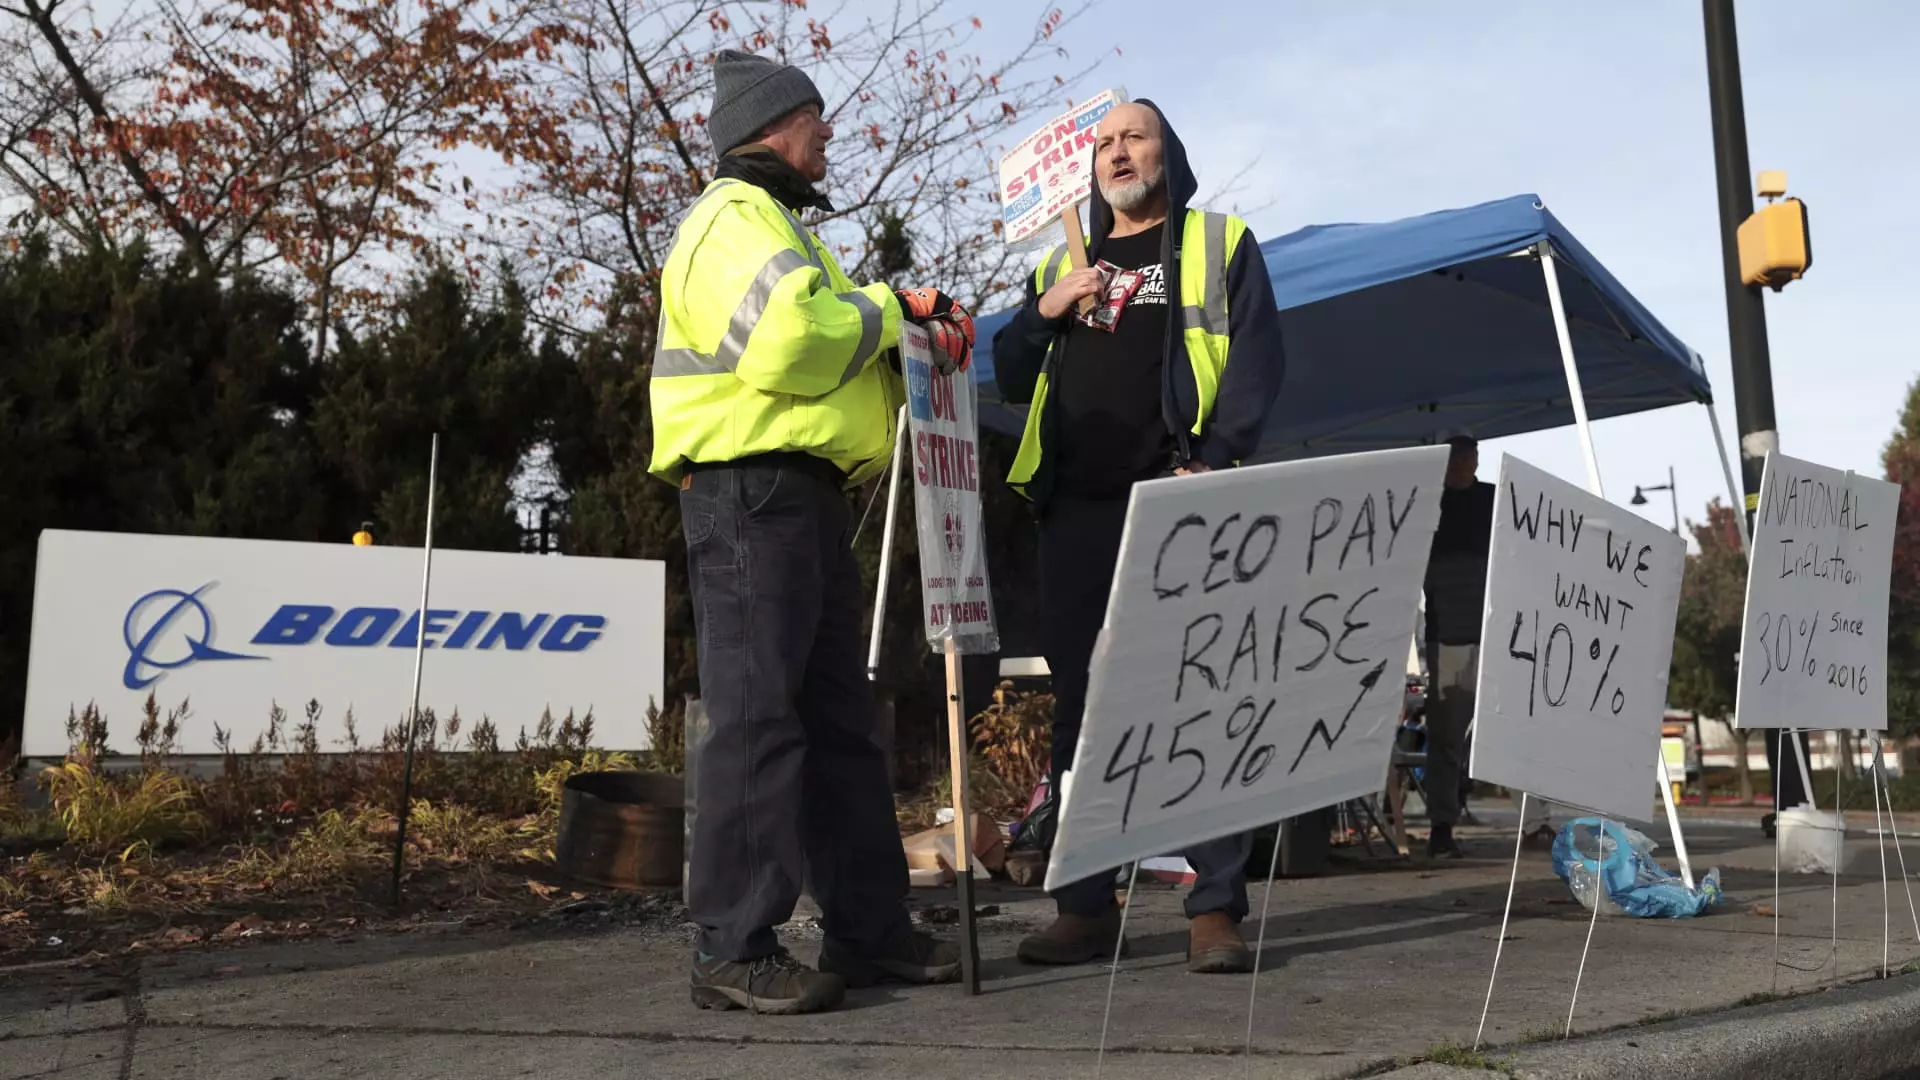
[1118,287]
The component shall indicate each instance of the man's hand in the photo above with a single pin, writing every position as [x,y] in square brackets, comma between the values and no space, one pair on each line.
[1068,291]
[1192,468]
[948,326]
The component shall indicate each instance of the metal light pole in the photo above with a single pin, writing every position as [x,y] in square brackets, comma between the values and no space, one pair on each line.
[1746,310]
[1640,497]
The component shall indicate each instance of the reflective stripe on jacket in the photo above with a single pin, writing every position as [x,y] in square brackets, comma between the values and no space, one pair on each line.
[765,345]
[1208,241]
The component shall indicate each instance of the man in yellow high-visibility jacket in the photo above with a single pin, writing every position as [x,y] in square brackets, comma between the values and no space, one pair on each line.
[774,391]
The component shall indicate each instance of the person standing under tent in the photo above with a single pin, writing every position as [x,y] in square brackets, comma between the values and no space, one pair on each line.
[1781,755]
[774,391]
[1172,373]
[1456,591]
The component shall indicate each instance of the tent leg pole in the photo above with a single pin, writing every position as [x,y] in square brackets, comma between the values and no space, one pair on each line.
[886,549]
[1733,486]
[1573,372]
[1593,482]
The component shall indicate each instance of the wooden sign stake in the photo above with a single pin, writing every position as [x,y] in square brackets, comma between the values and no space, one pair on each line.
[957,742]
[1076,248]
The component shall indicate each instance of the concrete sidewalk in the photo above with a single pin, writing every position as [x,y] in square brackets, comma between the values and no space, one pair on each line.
[1363,971]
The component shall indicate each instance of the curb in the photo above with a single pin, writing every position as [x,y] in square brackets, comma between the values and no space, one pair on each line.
[1865,1031]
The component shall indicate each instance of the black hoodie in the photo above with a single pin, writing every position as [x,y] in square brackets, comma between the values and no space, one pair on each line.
[1255,361]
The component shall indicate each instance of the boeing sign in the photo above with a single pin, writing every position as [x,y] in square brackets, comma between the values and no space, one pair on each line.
[239,627]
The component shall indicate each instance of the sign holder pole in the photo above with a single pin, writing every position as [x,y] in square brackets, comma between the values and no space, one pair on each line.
[1880,770]
[419,656]
[957,742]
[1886,899]
[1076,248]
[1259,946]
[886,546]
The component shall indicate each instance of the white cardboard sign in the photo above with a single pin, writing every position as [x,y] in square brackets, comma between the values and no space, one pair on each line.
[943,425]
[1813,648]
[1051,171]
[1250,665]
[236,627]
[1576,645]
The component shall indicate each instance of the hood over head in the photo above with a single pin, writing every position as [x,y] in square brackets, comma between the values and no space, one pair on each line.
[1182,185]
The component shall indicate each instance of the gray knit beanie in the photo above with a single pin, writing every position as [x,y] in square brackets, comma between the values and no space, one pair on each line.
[750,92]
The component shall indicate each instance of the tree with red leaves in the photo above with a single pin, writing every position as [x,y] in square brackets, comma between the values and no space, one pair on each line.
[1713,597]
[920,121]
[310,137]
[1902,461]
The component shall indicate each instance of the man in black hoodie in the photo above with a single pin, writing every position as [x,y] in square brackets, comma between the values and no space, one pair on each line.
[1172,373]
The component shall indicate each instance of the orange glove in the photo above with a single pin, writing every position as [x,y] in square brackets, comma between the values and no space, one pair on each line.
[947,324]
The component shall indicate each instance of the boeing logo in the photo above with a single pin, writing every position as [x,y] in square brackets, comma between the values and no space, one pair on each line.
[184,623]
[188,615]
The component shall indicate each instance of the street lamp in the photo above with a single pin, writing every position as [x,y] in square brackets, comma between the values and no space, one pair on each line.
[1640,497]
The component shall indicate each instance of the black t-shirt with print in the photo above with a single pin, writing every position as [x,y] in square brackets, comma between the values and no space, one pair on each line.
[1112,431]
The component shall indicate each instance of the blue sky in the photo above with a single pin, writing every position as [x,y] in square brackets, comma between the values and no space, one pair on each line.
[1352,112]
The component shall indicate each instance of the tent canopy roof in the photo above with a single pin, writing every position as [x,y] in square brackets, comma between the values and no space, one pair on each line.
[1400,333]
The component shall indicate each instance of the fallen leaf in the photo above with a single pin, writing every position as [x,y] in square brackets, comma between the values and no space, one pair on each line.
[540,889]
[246,926]
[1765,911]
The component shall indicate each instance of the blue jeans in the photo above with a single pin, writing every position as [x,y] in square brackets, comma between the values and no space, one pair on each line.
[793,779]
[1079,549]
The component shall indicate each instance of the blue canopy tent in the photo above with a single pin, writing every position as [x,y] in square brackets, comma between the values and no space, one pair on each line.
[1399,332]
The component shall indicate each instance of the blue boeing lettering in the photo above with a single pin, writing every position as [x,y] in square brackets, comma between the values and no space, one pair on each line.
[168,629]
[363,626]
[293,624]
[446,628]
[573,633]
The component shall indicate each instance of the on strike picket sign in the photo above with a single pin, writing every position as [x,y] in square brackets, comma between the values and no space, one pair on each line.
[1576,645]
[1813,648]
[1250,665]
[942,423]
[1052,169]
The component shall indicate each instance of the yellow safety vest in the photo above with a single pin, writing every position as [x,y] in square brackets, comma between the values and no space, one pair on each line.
[765,345]
[1208,242]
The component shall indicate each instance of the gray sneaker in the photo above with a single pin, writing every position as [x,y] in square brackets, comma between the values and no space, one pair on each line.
[917,957]
[776,984]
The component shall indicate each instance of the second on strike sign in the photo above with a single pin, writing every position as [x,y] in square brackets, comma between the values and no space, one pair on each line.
[945,456]
[1575,647]
[1251,663]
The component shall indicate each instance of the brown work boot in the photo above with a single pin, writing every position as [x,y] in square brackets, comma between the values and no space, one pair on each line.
[776,984]
[1215,947]
[1075,939]
[917,957]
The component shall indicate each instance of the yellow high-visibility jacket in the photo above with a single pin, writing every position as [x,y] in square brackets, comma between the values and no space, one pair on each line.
[765,345]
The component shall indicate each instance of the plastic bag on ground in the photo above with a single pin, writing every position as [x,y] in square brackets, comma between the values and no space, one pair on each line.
[1810,840]
[1620,861]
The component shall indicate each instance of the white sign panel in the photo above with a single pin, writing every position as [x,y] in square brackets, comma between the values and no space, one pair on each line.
[1051,171]
[1813,650]
[1576,645]
[945,431]
[235,627]
[1250,666]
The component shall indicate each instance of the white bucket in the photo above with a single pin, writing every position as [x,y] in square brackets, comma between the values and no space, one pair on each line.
[1810,840]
